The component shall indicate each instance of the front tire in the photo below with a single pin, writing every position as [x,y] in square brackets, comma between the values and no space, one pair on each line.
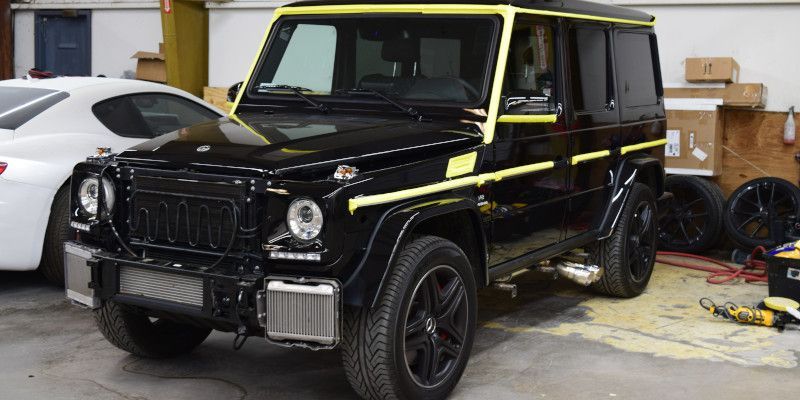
[133,331]
[628,255]
[415,342]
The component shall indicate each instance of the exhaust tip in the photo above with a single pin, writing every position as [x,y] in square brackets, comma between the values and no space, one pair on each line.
[582,274]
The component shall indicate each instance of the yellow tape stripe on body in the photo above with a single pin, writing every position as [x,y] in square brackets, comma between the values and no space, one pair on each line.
[589,156]
[375,199]
[641,146]
[527,119]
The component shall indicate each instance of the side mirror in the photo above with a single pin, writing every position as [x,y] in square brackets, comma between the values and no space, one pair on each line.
[233,91]
[528,104]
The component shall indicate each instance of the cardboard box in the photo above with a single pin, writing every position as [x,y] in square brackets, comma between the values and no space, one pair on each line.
[712,69]
[733,94]
[151,66]
[694,137]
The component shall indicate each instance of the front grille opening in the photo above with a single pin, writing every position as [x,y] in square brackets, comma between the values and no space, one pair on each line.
[182,289]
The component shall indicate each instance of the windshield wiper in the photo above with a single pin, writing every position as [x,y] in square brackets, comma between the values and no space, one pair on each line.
[297,90]
[400,106]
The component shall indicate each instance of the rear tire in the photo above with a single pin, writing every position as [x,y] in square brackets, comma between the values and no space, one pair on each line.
[427,307]
[58,232]
[628,255]
[131,330]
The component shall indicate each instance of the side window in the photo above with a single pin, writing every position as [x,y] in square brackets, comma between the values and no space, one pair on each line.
[589,69]
[529,85]
[150,115]
[307,58]
[635,69]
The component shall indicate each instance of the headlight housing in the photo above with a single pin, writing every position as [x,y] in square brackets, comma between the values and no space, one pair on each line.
[304,219]
[88,193]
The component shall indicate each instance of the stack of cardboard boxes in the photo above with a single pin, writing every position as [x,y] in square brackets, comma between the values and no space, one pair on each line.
[695,113]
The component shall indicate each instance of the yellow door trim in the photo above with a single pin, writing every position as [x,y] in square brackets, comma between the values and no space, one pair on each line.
[589,156]
[383,198]
[642,146]
[527,119]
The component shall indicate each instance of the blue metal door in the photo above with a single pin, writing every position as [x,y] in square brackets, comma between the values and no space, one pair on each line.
[63,42]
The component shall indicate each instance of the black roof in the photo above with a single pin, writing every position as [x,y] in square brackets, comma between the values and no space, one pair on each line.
[565,6]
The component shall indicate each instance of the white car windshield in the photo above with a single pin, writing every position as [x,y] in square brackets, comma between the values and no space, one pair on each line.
[19,105]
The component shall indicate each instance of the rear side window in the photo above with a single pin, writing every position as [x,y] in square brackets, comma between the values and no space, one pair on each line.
[589,68]
[150,115]
[19,105]
[635,69]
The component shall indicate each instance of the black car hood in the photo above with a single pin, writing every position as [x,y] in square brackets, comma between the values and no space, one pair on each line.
[284,143]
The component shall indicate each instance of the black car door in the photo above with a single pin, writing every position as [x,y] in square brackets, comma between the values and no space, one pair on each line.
[594,123]
[528,208]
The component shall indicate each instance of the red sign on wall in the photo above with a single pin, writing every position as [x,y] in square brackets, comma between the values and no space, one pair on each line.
[167,6]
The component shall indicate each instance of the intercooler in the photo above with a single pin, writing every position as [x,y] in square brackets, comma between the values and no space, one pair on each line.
[157,285]
[301,312]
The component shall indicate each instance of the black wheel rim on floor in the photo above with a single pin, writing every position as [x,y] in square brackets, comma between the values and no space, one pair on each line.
[641,242]
[686,220]
[753,210]
[435,326]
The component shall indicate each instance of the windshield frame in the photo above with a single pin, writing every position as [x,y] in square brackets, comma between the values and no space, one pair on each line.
[252,98]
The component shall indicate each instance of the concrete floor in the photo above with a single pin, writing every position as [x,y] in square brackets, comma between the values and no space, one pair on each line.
[553,341]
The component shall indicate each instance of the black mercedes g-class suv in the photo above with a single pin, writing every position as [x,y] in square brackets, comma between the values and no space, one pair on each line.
[380,164]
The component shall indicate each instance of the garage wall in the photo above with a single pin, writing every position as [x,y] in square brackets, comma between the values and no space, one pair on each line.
[234,40]
[23,42]
[116,35]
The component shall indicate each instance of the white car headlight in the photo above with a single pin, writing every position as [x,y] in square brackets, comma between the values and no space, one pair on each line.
[88,193]
[304,219]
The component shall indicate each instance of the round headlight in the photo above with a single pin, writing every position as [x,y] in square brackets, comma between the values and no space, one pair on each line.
[88,193]
[304,219]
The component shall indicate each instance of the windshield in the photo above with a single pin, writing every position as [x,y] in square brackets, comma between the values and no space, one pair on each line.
[414,58]
[19,105]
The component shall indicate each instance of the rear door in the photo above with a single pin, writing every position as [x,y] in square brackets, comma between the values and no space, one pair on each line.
[639,85]
[594,122]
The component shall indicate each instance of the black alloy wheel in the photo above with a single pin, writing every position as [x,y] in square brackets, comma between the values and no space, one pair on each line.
[628,255]
[693,221]
[436,324]
[759,206]
[415,342]
[641,242]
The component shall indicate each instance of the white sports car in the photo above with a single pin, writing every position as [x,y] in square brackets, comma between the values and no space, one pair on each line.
[49,125]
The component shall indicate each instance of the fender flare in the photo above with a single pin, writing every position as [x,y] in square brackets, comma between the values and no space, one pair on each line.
[630,170]
[394,228]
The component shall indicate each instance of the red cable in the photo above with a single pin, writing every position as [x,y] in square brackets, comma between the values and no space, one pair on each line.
[753,270]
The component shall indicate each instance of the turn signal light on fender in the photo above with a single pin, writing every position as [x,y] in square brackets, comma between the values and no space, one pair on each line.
[3,167]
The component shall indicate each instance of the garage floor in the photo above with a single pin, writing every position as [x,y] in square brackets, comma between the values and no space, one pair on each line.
[553,341]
